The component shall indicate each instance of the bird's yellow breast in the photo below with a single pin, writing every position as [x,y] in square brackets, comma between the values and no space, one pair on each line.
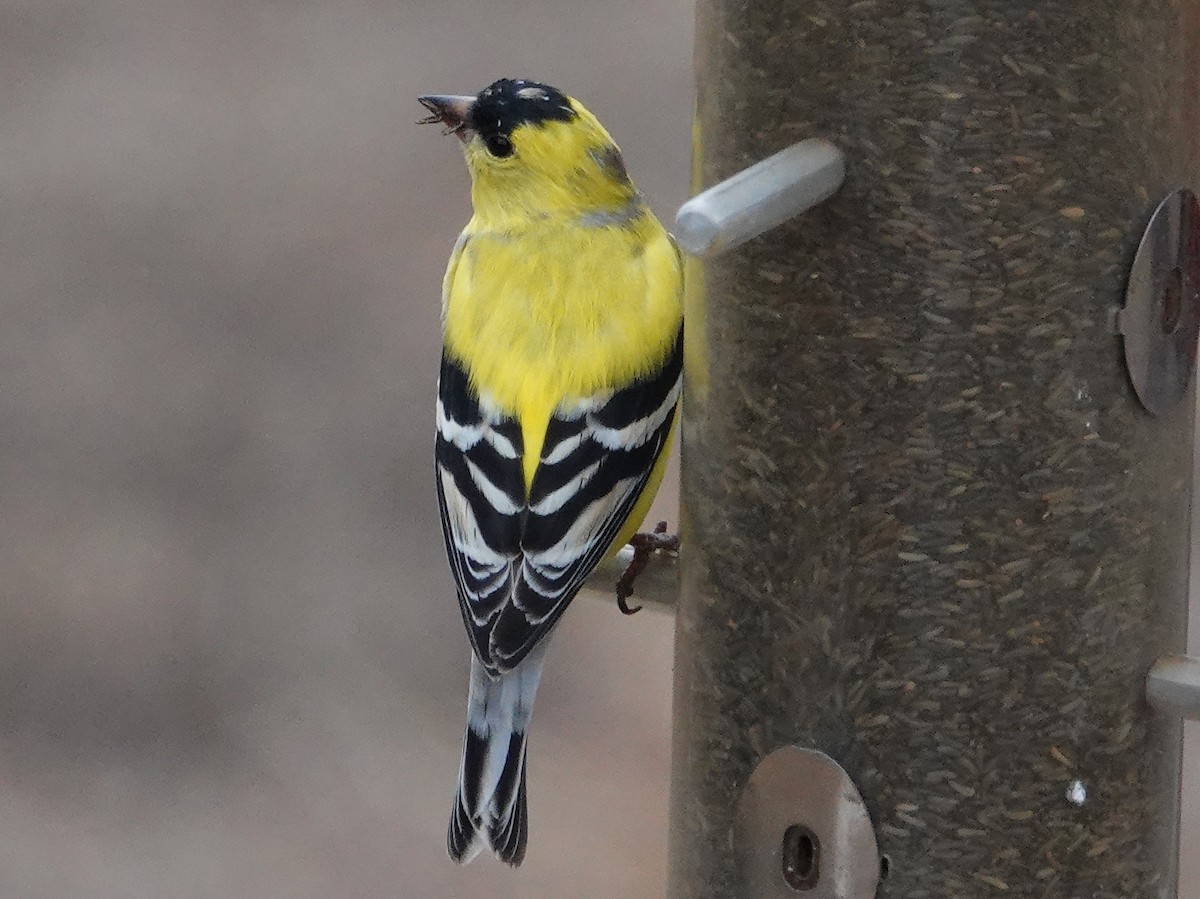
[556,311]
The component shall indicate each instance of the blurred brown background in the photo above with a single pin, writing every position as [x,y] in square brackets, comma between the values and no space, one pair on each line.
[231,663]
[230,660]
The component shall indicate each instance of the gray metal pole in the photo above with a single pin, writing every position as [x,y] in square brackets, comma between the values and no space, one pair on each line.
[928,529]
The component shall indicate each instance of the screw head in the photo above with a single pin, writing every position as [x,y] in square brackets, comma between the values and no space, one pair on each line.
[801,854]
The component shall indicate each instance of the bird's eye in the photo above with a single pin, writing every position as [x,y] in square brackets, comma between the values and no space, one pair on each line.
[499,145]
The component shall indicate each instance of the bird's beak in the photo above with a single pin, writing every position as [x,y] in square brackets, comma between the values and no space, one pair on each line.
[453,112]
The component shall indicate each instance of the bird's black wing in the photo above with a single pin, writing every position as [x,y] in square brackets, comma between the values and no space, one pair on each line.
[518,560]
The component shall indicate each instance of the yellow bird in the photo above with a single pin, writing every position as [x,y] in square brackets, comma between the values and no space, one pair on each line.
[561,371]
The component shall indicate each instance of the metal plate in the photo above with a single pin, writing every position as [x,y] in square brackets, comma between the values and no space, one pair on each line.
[803,831]
[1162,303]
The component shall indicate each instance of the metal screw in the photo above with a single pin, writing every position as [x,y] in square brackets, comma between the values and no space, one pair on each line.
[1173,687]
[801,858]
[759,198]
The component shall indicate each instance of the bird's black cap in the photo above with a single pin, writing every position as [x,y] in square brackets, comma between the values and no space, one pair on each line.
[507,103]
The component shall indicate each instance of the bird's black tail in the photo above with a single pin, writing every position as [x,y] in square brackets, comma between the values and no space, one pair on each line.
[501,820]
[489,806]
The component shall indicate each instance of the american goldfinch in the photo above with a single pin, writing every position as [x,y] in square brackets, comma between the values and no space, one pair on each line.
[561,371]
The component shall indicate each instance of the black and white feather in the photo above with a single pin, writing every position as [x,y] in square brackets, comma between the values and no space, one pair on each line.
[519,559]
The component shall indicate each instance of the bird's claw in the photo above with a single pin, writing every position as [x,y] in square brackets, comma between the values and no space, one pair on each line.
[624,606]
[644,546]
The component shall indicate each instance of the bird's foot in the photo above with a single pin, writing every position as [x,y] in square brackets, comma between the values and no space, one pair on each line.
[644,546]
